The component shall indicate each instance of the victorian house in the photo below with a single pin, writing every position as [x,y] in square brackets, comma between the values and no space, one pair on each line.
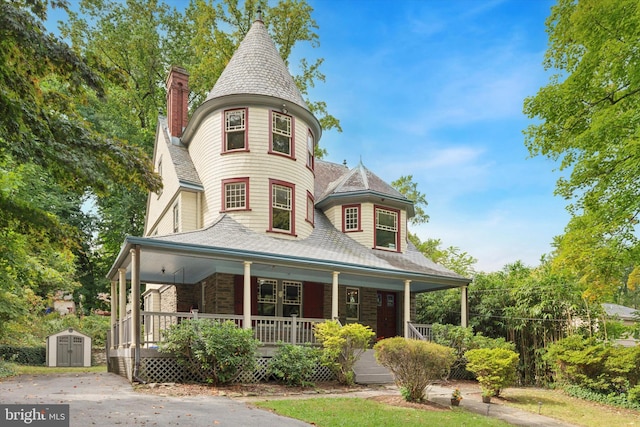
[251,227]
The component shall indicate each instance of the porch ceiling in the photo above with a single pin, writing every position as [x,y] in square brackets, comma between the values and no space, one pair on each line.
[163,264]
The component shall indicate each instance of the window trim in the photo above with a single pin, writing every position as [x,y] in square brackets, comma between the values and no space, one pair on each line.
[344,218]
[311,207]
[224,130]
[398,227]
[311,151]
[225,182]
[292,187]
[176,217]
[292,144]
[356,303]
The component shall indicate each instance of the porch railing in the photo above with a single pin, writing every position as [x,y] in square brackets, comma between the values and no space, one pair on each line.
[267,329]
[420,332]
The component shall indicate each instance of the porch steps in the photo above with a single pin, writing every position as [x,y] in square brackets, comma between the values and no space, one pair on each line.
[368,371]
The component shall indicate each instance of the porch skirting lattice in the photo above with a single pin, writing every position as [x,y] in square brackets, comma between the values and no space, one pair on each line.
[167,370]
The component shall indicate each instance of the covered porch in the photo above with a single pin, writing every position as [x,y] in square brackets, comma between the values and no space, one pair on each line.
[279,296]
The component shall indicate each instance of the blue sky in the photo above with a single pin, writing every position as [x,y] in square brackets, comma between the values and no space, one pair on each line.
[435,89]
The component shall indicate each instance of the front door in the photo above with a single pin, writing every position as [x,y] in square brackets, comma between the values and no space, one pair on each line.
[387,315]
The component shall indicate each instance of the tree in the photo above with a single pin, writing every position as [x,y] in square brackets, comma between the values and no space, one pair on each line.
[587,119]
[408,188]
[50,155]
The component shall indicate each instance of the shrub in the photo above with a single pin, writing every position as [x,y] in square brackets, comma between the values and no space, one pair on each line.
[494,368]
[24,355]
[215,352]
[294,364]
[6,369]
[596,366]
[462,339]
[342,346]
[414,363]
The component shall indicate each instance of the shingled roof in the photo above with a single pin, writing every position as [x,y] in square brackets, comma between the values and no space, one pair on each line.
[186,171]
[325,244]
[256,68]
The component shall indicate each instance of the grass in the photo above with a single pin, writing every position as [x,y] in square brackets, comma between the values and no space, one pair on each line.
[556,404]
[17,369]
[354,412]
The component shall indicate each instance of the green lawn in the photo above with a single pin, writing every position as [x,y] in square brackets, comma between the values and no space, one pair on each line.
[556,404]
[355,412]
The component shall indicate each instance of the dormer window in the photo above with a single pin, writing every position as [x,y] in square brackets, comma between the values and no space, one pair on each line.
[387,229]
[281,132]
[235,129]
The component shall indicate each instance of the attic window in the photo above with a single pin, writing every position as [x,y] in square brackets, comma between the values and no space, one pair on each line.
[235,129]
[176,218]
[386,229]
[281,131]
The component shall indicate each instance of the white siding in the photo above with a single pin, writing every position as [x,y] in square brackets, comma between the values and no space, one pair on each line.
[188,211]
[256,164]
[158,204]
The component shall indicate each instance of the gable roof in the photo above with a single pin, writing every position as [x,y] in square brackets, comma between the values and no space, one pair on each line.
[624,313]
[256,68]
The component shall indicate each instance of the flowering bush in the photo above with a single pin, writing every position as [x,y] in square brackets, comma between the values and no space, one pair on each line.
[456,395]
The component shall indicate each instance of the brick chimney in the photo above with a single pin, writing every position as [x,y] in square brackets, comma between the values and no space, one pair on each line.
[177,100]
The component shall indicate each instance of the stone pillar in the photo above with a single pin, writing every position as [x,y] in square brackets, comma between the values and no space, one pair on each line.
[334,296]
[464,310]
[135,297]
[246,296]
[114,311]
[407,307]
[122,295]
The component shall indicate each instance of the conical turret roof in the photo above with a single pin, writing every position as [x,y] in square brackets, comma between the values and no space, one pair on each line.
[256,68]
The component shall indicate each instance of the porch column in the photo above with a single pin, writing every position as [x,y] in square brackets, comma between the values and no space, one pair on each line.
[135,297]
[114,311]
[464,310]
[122,295]
[407,307]
[334,296]
[246,296]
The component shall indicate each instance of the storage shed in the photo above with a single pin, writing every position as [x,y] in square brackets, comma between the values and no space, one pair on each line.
[69,348]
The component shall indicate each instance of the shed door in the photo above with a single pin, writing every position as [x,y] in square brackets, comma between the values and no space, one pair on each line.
[70,351]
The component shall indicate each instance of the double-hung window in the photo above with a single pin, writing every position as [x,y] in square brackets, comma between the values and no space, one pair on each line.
[282,207]
[235,193]
[310,208]
[311,150]
[281,132]
[387,228]
[176,218]
[235,129]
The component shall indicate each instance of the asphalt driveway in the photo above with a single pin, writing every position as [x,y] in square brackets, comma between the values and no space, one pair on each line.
[104,399]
